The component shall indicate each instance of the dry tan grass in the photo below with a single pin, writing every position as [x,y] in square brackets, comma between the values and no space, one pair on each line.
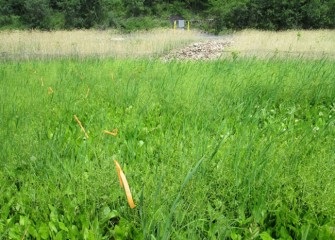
[83,43]
[293,43]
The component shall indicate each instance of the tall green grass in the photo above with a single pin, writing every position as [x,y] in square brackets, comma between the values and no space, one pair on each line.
[212,150]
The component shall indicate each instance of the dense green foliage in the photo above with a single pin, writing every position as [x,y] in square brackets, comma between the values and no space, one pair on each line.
[144,14]
[273,14]
[239,149]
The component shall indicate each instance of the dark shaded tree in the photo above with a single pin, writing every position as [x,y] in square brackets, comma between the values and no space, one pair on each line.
[83,13]
[273,14]
[36,14]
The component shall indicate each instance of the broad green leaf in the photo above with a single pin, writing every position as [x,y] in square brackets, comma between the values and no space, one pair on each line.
[43,231]
[265,236]
[52,227]
[62,226]
[33,232]
[59,235]
[235,236]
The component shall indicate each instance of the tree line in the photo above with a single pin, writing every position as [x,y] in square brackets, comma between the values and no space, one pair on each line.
[128,15]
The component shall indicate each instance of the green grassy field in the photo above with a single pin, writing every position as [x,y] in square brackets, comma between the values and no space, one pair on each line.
[230,149]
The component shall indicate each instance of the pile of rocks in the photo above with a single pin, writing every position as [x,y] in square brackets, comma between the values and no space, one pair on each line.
[208,50]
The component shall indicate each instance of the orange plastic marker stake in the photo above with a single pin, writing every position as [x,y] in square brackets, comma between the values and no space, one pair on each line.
[113,133]
[81,126]
[124,184]
[118,169]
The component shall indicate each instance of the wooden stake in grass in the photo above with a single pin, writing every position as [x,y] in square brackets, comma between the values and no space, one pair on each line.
[124,184]
[81,126]
[113,133]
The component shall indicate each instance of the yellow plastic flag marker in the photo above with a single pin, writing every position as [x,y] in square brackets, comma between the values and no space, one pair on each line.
[124,184]
[81,126]
[113,133]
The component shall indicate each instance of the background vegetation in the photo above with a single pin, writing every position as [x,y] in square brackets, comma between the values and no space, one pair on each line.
[128,15]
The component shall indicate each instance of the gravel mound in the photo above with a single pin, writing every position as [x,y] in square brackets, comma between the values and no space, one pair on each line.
[208,50]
